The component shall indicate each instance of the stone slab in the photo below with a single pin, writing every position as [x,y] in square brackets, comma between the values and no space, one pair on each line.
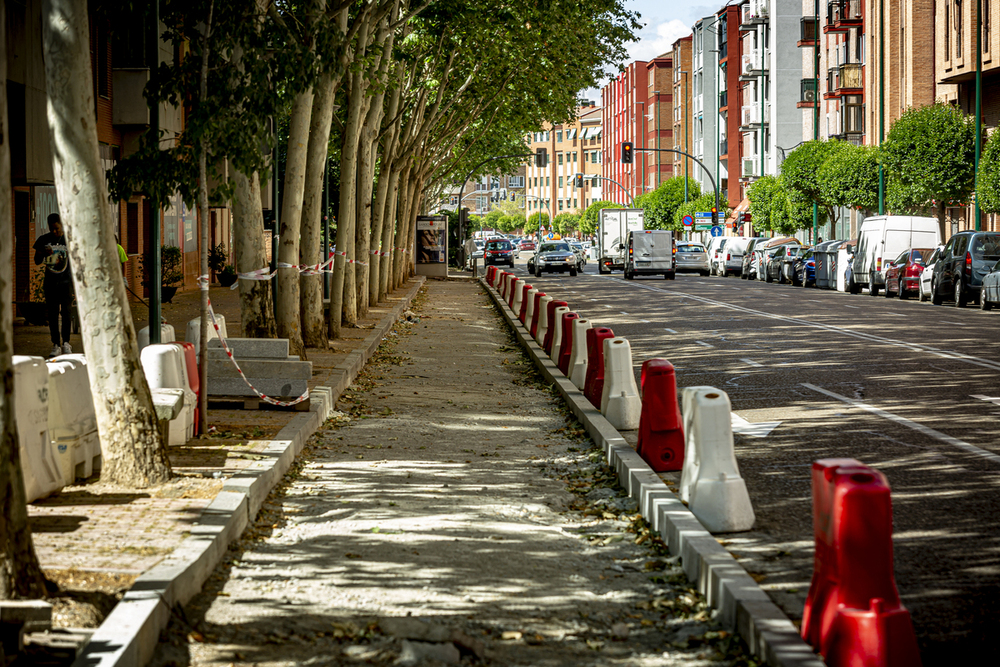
[168,403]
[254,348]
[275,388]
[260,368]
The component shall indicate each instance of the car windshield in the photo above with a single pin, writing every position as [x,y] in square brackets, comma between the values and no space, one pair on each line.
[691,247]
[985,246]
[554,247]
[498,245]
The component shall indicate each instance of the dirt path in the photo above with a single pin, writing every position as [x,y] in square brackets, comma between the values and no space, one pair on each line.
[454,513]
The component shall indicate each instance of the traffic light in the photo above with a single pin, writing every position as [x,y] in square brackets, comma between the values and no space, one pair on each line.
[715,216]
[541,157]
[626,152]
[578,181]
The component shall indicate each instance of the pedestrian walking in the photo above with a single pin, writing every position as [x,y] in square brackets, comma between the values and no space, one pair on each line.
[50,250]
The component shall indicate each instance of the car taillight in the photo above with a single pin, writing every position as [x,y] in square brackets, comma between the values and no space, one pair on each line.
[914,270]
[968,263]
[729,258]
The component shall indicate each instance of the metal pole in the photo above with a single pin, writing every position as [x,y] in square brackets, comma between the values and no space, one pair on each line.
[277,223]
[155,242]
[881,102]
[979,104]
[816,110]
[326,225]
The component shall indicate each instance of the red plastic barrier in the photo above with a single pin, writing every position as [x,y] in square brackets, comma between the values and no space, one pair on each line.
[534,313]
[661,429]
[523,315]
[502,283]
[515,284]
[853,615]
[550,333]
[593,386]
[566,342]
[489,276]
[194,378]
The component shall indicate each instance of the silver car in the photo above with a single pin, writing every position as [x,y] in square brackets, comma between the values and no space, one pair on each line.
[691,258]
[581,254]
[552,257]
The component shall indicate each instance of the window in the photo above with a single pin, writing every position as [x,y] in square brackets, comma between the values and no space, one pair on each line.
[547,181]
[560,181]
[560,159]
[560,204]
[574,202]
[986,26]
[958,29]
[558,135]
[574,156]
[947,33]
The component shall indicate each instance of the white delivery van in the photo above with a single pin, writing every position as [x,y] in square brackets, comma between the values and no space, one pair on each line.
[731,256]
[650,252]
[881,239]
[614,224]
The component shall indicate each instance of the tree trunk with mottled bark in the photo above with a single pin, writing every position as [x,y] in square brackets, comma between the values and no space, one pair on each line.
[388,234]
[287,308]
[131,445]
[204,222]
[256,301]
[311,286]
[20,574]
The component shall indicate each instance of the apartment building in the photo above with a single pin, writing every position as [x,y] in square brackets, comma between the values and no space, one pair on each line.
[706,84]
[573,147]
[633,104]
[730,104]
[681,103]
[955,47]
[483,194]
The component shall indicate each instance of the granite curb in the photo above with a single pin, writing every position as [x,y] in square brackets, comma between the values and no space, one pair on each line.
[129,635]
[737,599]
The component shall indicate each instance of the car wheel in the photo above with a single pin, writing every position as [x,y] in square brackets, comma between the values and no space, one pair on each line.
[888,294]
[628,273]
[704,274]
[538,271]
[984,303]
[572,272]
[902,292]
[853,287]
[767,277]
[921,294]
[960,299]
[936,298]
[601,269]
[872,287]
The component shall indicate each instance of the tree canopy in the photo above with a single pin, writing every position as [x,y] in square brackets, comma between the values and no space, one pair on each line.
[660,206]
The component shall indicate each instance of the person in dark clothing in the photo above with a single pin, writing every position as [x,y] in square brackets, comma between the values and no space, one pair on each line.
[50,250]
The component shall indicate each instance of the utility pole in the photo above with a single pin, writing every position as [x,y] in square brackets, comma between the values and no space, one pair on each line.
[979,104]
[881,102]
[155,242]
[816,111]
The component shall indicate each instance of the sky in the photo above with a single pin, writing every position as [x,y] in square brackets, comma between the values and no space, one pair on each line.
[663,21]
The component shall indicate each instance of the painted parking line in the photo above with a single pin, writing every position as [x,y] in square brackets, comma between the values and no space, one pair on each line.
[669,330]
[920,428]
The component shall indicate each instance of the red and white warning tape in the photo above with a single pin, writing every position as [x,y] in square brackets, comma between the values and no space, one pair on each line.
[307,269]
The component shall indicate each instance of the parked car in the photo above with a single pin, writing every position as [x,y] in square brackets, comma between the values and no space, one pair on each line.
[691,258]
[880,239]
[581,254]
[553,256]
[767,253]
[924,290]
[989,293]
[748,255]
[965,260]
[717,254]
[902,277]
[804,269]
[526,244]
[780,267]
[497,252]
[730,256]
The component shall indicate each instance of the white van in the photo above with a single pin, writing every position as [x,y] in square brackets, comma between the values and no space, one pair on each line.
[881,239]
[730,256]
[650,252]
[712,248]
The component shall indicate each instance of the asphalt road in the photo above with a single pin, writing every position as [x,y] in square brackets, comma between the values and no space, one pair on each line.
[894,384]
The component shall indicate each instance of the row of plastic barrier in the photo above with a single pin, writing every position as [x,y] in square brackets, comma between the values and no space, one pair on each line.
[853,615]
[56,422]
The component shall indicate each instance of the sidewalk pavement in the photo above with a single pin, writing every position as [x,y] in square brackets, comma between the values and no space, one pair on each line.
[95,541]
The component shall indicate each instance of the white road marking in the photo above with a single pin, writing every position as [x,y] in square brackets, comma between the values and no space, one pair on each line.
[846,306]
[913,347]
[960,324]
[751,362]
[920,428]
[703,343]
[625,314]
[644,321]
[669,330]
[995,400]
[759,430]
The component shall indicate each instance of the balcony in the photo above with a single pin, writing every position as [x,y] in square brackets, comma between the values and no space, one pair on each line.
[750,116]
[846,79]
[723,99]
[807,31]
[723,147]
[753,64]
[842,15]
[754,13]
[807,93]
[750,166]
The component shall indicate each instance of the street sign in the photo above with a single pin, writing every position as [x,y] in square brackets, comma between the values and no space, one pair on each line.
[703,226]
[716,231]
[688,221]
[703,214]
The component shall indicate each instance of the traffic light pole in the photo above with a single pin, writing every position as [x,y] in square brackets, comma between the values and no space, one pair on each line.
[715,214]
[605,178]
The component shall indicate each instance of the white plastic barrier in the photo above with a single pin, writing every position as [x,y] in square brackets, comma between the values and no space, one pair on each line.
[543,319]
[710,480]
[503,284]
[193,333]
[72,419]
[557,332]
[518,295]
[166,368]
[530,296]
[620,401]
[578,354]
[167,335]
[31,402]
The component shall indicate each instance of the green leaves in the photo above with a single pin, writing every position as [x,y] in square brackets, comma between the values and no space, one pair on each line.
[849,177]
[660,206]
[989,175]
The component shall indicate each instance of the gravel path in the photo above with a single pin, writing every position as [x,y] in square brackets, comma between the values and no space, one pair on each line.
[454,513]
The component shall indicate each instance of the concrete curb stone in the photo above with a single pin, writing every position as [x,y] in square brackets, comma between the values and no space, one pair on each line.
[128,636]
[740,603]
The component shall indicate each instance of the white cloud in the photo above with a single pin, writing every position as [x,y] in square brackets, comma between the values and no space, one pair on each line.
[655,40]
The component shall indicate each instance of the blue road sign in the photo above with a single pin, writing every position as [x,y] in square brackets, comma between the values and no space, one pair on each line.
[716,230]
[688,221]
[703,214]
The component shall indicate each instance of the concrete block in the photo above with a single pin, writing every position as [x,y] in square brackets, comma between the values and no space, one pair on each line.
[168,403]
[276,388]
[254,348]
[261,368]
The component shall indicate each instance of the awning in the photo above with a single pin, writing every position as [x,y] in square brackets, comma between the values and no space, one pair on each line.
[571,134]
[735,214]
